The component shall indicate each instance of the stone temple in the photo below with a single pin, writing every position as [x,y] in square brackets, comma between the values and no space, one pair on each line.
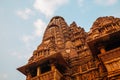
[67,52]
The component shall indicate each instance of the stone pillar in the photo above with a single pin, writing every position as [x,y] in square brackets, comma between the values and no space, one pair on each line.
[102,49]
[52,67]
[55,75]
[54,71]
[38,71]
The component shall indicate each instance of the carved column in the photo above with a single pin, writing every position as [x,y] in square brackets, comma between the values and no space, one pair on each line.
[54,71]
[55,75]
[38,71]
[52,67]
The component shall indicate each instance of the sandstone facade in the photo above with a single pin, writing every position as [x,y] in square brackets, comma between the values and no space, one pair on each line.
[70,53]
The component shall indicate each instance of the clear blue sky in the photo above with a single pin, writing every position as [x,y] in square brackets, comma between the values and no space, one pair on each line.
[22,23]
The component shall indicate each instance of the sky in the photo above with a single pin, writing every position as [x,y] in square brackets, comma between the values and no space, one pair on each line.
[22,24]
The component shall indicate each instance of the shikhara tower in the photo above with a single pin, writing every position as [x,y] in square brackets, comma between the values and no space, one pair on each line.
[70,53]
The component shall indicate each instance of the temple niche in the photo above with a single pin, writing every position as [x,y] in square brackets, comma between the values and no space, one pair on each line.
[67,52]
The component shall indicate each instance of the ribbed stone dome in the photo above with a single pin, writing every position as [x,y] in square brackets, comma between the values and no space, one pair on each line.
[57,17]
[102,21]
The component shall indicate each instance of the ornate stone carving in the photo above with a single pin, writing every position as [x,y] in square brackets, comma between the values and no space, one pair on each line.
[70,53]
